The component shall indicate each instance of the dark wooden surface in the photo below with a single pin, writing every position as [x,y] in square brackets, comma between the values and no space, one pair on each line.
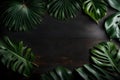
[64,43]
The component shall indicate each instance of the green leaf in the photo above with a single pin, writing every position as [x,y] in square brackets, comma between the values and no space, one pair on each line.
[107,56]
[112,25]
[63,9]
[92,72]
[96,9]
[16,56]
[21,15]
[114,4]
[59,73]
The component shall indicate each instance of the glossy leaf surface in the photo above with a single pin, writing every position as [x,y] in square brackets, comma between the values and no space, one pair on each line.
[22,15]
[59,73]
[63,9]
[92,72]
[17,57]
[107,56]
[112,26]
[115,4]
[96,9]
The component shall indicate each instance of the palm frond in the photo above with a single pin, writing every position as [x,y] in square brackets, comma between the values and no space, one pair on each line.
[21,15]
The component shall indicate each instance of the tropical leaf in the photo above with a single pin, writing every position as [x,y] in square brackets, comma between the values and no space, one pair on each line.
[63,9]
[96,9]
[21,15]
[114,4]
[92,72]
[59,73]
[107,56]
[17,57]
[112,25]
[105,66]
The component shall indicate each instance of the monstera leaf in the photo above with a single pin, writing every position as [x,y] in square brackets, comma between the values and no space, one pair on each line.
[104,66]
[21,15]
[114,4]
[17,57]
[59,73]
[92,72]
[112,25]
[63,9]
[107,56]
[96,9]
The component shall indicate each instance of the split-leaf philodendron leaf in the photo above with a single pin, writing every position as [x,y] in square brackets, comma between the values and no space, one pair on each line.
[22,15]
[63,9]
[96,9]
[17,57]
[115,4]
[105,65]
[106,55]
[112,26]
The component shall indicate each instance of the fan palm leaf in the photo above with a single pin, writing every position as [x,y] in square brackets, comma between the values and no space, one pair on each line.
[21,15]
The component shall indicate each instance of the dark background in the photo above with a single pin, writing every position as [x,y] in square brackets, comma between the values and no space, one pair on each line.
[59,43]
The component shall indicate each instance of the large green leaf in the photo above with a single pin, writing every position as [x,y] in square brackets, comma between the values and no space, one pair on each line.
[112,25]
[63,9]
[114,4]
[107,56]
[86,72]
[21,15]
[59,73]
[96,9]
[17,57]
[92,72]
